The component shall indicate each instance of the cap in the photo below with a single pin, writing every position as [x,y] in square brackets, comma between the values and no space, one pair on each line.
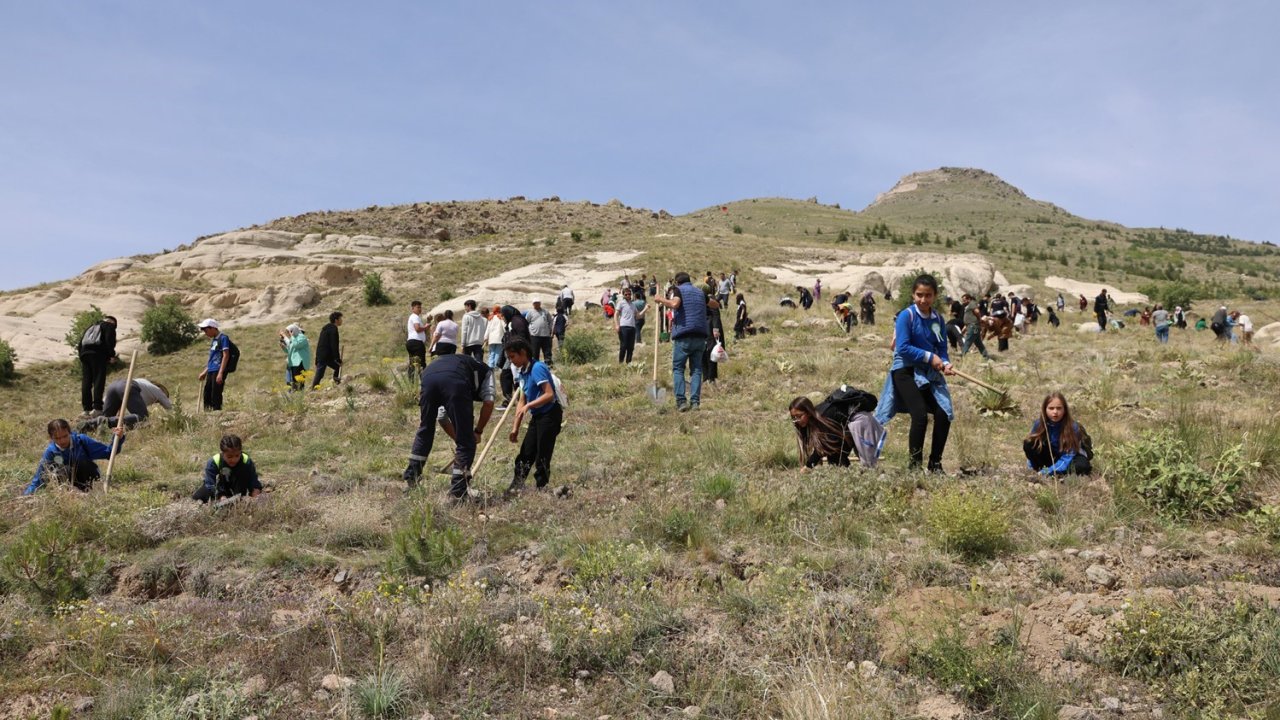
[536,301]
[208,323]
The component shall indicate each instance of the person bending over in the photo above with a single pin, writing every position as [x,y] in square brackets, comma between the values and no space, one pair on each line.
[229,473]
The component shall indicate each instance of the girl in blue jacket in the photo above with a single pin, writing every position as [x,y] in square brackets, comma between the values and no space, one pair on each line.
[919,363]
[1057,445]
[70,456]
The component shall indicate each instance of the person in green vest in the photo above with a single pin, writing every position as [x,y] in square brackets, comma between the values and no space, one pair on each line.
[229,473]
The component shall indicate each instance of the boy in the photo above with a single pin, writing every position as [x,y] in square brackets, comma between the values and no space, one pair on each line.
[214,375]
[230,472]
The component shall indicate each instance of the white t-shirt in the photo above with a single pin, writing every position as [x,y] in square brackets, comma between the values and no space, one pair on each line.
[1246,324]
[447,332]
[412,328]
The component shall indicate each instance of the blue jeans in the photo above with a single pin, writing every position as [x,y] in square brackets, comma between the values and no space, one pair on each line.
[495,355]
[687,350]
[1162,334]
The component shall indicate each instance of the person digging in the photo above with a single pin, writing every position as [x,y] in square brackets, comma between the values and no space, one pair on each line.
[450,387]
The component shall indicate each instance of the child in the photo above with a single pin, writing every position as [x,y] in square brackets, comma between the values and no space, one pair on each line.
[824,438]
[230,472]
[1057,445]
[916,382]
[560,323]
[539,402]
[70,456]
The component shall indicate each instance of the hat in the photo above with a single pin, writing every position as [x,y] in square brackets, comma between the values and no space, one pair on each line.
[536,301]
[208,323]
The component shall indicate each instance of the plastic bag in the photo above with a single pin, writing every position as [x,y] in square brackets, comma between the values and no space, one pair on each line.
[718,353]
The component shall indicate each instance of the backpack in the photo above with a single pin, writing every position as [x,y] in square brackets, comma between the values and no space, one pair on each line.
[92,336]
[844,401]
[233,357]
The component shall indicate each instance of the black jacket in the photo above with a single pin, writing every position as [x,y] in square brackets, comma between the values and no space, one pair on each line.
[327,346]
[107,345]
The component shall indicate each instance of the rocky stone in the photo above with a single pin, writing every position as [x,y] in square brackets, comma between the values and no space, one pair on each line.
[335,683]
[1112,704]
[663,682]
[441,235]
[1148,551]
[868,669]
[254,686]
[1100,575]
[82,704]
[692,711]
[790,324]
[1075,712]
[340,577]
[426,715]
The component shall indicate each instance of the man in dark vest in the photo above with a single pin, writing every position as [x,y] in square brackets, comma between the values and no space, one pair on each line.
[449,387]
[688,339]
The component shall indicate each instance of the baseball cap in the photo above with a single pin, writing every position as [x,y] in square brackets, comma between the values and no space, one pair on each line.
[208,323]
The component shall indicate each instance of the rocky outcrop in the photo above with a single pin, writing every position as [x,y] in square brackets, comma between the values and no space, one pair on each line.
[856,272]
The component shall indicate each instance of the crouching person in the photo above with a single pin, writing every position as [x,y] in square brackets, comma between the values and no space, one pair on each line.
[833,430]
[70,457]
[1057,445]
[538,401]
[229,473]
[450,386]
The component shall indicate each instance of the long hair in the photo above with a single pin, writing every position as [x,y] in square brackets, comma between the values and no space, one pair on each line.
[819,435]
[1068,440]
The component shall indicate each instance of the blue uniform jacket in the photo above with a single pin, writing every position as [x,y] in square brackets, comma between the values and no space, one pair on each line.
[918,339]
[82,447]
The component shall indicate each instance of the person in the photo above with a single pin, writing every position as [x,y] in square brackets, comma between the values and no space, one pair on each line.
[70,458]
[229,473]
[517,327]
[1057,445]
[1144,319]
[416,342]
[444,339]
[868,307]
[689,339]
[1218,324]
[640,303]
[1084,304]
[826,436]
[493,334]
[653,286]
[1202,324]
[450,387]
[537,400]
[1020,322]
[715,334]
[806,297]
[1062,302]
[566,298]
[1000,323]
[1160,319]
[1053,318]
[817,289]
[1179,317]
[97,350]
[740,319]
[624,325]
[142,393]
[297,352]
[473,327]
[329,351]
[709,285]
[917,382]
[1100,307]
[214,375]
[972,327]
[1246,328]
[541,329]
[725,287]
[559,326]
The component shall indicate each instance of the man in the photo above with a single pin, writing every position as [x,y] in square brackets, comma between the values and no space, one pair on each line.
[473,326]
[869,308]
[214,375]
[725,287]
[566,297]
[999,323]
[1218,324]
[450,386]
[517,327]
[625,321]
[1100,307]
[540,330]
[97,350]
[688,339]
[142,393]
[329,351]
[973,327]
[416,337]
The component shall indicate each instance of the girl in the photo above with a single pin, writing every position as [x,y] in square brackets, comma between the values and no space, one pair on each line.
[820,438]
[493,334]
[916,383]
[70,456]
[1057,445]
[445,339]
[297,352]
[740,320]
[538,401]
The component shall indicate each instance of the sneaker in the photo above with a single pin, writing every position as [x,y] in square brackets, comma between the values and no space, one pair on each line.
[697,406]
[682,407]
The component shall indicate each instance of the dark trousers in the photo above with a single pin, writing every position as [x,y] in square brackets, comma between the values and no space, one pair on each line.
[542,348]
[921,404]
[294,372]
[212,396]
[444,348]
[973,336]
[93,378]
[710,370]
[1102,319]
[1041,458]
[417,354]
[538,446]
[456,401]
[507,382]
[475,351]
[626,343]
[320,367]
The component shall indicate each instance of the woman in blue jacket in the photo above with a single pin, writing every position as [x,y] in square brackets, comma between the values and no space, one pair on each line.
[1057,444]
[920,361]
[70,456]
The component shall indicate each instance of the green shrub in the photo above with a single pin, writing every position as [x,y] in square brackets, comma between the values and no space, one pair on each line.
[80,323]
[1217,658]
[1166,475]
[374,294]
[167,328]
[718,487]
[992,679]
[581,349]
[969,523]
[680,527]
[52,562]
[382,695]
[8,357]
[575,235]
[426,546]
[737,229]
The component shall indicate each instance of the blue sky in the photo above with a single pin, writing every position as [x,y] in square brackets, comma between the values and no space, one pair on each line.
[129,127]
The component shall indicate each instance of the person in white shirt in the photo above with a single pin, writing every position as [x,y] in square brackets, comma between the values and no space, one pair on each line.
[540,330]
[473,327]
[142,393]
[1246,328]
[494,333]
[566,298]
[416,343]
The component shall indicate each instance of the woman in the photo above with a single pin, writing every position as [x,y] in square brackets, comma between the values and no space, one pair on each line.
[297,352]
[916,381]
[493,334]
[1057,445]
[444,341]
[538,401]
[820,438]
[715,333]
[624,324]
[740,320]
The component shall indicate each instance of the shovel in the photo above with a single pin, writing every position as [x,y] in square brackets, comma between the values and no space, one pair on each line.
[115,440]
[978,382]
[656,393]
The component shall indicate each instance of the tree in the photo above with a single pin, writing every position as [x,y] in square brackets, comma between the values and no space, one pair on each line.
[373,293]
[167,328]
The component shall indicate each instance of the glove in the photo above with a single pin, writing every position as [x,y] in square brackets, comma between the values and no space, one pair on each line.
[413,472]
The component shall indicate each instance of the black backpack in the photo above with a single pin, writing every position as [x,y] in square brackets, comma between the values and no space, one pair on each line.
[845,401]
[233,357]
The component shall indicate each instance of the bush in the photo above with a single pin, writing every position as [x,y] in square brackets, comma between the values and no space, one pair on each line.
[1165,474]
[8,356]
[167,328]
[382,694]
[971,524]
[581,349]
[426,546]
[80,323]
[992,679]
[374,295]
[737,229]
[52,563]
[1173,294]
